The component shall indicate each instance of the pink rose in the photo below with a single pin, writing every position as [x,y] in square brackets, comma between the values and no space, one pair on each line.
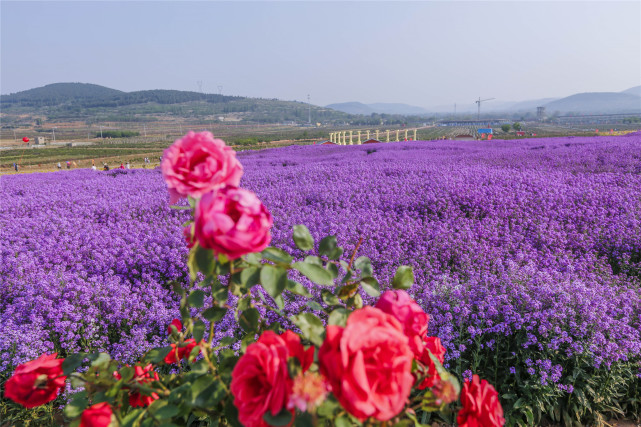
[414,320]
[197,163]
[232,221]
[432,345]
[368,364]
[260,381]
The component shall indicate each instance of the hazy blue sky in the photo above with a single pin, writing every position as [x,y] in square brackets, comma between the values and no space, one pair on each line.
[420,53]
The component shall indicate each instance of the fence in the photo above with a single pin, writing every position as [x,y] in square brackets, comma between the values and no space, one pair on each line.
[357,137]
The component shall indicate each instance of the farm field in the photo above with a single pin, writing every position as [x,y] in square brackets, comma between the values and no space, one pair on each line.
[527,256]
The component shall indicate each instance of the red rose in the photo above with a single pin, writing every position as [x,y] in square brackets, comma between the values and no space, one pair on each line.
[414,320]
[188,234]
[179,353]
[260,380]
[481,406]
[198,163]
[432,345]
[232,221]
[368,364]
[98,415]
[296,349]
[177,323]
[142,376]
[36,382]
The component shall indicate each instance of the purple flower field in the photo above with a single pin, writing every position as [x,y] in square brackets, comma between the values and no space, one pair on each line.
[537,240]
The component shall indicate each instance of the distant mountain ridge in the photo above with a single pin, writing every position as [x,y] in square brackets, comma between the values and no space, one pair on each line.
[627,101]
[379,108]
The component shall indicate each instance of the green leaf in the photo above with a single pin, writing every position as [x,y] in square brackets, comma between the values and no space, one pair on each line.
[329,248]
[304,419]
[250,276]
[214,314]
[311,327]
[329,298]
[253,258]
[204,259]
[132,417]
[76,406]
[127,373]
[273,279]
[231,413]
[196,298]
[249,320]
[404,277]
[72,362]
[364,264]
[314,305]
[101,361]
[297,288]
[312,259]
[333,270]
[276,255]
[283,418]
[370,285]
[167,411]
[342,421]
[219,292]
[328,407]
[315,273]
[244,303]
[157,355]
[206,392]
[280,302]
[327,245]
[225,341]
[303,238]
[338,317]
[199,330]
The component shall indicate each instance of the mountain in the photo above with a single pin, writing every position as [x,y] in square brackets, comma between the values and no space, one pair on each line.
[633,91]
[403,109]
[379,108]
[89,102]
[352,108]
[59,92]
[597,103]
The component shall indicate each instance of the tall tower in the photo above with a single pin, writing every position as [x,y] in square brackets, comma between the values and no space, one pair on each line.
[540,113]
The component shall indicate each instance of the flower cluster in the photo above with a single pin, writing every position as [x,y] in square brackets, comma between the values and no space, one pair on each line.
[370,359]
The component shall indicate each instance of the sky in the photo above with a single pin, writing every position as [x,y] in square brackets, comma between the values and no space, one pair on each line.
[423,53]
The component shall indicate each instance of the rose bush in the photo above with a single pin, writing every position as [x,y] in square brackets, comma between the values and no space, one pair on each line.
[336,362]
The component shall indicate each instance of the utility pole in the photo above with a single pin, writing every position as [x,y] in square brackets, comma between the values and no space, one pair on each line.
[53,130]
[100,131]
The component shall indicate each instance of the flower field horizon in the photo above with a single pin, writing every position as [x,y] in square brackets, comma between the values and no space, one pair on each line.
[527,254]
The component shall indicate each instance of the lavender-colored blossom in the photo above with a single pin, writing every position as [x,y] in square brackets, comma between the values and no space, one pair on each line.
[538,239]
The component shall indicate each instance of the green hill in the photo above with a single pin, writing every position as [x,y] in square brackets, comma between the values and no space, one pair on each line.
[88,102]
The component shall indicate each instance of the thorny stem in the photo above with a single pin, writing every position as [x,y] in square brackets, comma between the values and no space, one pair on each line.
[358,245]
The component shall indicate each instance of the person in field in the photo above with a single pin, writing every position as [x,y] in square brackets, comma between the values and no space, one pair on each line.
[59,166]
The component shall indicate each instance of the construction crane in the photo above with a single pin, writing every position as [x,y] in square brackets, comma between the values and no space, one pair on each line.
[478,102]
